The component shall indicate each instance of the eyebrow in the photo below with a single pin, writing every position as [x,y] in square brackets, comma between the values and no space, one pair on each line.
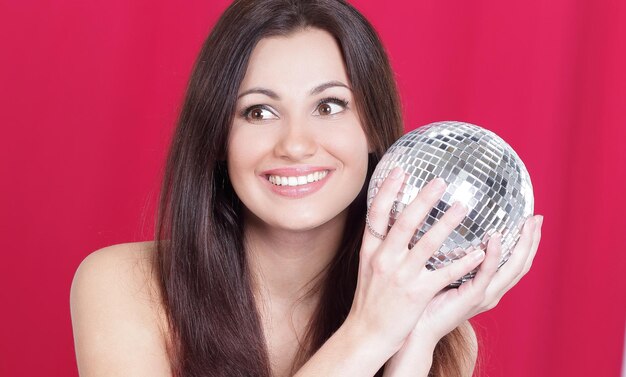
[318,89]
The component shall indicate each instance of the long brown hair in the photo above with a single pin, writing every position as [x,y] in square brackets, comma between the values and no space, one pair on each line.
[204,280]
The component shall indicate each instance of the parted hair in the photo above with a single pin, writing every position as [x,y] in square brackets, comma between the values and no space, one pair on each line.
[204,281]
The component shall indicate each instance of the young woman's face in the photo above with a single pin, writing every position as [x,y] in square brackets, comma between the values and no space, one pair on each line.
[297,154]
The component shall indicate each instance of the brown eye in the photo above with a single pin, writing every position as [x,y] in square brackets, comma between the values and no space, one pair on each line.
[258,113]
[325,109]
[331,106]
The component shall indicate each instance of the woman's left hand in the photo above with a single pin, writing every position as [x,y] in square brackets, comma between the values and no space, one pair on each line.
[450,308]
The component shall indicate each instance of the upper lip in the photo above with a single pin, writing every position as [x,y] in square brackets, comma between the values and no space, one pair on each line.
[294,171]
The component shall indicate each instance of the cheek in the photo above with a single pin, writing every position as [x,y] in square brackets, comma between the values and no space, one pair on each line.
[351,145]
[240,154]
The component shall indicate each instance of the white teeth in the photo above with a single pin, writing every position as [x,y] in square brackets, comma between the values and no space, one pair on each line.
[297,181]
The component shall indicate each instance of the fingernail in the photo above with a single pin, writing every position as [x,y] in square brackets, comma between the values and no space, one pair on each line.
[540,221]
[530,223]
[458,208]
[477,254]
[396,173]
[438,183]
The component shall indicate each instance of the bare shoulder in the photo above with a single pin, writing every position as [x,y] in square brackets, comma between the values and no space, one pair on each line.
[117,316]
[128,263]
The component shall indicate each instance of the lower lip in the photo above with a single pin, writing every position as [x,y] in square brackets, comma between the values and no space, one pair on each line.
[299,191]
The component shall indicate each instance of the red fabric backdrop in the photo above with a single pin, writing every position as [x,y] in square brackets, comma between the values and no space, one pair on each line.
[90,91]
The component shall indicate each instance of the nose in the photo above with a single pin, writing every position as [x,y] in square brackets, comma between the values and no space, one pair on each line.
[297,141]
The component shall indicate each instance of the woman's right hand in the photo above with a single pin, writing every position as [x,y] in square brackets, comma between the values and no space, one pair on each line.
[394,286]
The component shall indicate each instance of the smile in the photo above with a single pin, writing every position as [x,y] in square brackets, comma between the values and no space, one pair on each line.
[295,183]
[298,180]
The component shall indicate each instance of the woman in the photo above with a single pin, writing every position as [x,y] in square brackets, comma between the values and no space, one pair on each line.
[262,263]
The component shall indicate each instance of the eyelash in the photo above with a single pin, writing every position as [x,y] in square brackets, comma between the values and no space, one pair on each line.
[246,112]
[335,100]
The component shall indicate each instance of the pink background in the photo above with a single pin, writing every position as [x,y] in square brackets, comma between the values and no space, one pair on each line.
[90,91]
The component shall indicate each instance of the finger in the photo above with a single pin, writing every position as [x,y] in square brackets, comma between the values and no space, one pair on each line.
[489,266]
[511,271]
[432,240]
[413,215]
[535,243]
[378,213]
[533,249]
[458,268]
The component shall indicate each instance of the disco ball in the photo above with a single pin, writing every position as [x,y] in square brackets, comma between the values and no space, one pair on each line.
[481,170]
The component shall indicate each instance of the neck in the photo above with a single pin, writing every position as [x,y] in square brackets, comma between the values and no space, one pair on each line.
[286,265]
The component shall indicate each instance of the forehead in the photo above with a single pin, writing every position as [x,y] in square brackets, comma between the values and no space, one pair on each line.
[301,60]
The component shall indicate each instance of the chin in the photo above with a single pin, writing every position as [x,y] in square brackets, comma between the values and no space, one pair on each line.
[300,224]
